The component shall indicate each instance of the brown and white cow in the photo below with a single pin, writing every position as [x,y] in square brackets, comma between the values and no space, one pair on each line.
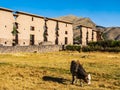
[78,72]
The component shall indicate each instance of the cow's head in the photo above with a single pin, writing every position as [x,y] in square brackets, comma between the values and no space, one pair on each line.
[88,79]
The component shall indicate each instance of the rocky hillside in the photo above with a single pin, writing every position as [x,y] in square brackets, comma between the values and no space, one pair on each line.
[108,33]
[77,21]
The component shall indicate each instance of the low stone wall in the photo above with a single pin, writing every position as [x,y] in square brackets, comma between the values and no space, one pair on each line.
[39,49]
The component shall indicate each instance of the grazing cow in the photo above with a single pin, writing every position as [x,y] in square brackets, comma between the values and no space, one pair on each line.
[78,72]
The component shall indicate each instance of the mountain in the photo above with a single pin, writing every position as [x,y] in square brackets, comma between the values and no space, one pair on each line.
[77,21]
[69,18]
[108,33]
[111,33]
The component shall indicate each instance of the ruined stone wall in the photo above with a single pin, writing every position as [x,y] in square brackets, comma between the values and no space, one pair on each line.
[6,27]
[32,49]
[24,29]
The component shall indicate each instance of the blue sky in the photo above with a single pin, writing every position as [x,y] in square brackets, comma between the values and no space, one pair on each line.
[102,12]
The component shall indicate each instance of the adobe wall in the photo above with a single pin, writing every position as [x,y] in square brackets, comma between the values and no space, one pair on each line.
[95,36]
[23,23]
[64,27]
[84,31]
[6,27]
[88,35]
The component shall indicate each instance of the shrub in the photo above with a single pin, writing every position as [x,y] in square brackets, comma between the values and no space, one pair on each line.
[73,47]
[86,49]
[107,45]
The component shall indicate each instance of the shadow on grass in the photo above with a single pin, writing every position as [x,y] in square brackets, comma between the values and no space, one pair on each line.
[4,64]
[55,79]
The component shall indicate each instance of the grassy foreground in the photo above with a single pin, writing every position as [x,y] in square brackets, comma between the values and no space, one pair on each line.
[50,71]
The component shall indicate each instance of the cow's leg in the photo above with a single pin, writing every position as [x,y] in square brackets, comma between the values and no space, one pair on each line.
[73,79]
[76,80]
[81,84]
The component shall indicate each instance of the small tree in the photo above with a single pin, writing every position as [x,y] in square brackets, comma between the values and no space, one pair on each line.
[14,32]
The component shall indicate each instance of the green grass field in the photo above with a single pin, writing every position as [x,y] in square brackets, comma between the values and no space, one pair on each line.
[50,71]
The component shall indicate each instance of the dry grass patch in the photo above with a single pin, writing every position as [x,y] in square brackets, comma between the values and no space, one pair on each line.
[46,71]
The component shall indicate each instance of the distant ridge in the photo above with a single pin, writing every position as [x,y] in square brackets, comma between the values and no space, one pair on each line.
[108,33]
[77,21]
[69,18]
[112,33]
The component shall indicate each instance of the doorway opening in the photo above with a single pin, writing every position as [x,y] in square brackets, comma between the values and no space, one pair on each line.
[32,39]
